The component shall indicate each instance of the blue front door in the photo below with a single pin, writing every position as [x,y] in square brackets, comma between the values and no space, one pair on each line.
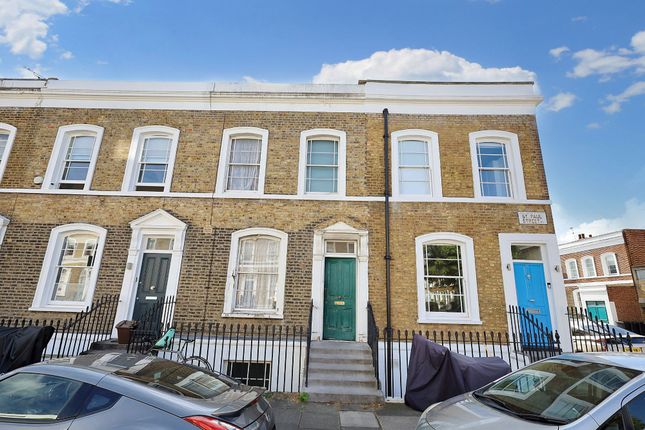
[531,291]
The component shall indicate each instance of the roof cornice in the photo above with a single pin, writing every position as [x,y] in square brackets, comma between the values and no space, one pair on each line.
[590,243]
[370,97]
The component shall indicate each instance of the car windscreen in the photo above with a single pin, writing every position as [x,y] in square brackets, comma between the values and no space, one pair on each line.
[175,377]
[557,389]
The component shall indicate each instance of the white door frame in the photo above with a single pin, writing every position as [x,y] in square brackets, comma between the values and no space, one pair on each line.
[598,294]
[553,276]
[156,223]
[339,231]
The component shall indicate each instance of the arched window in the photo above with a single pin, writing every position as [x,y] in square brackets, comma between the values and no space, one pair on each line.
[72,162]
[416,168]
[588,267]
[7,136]
[322,162]
[256,275]
[446,279]
[70,268]
[609,264]
[242,162]
[151,159]
[572,268]
[497,165]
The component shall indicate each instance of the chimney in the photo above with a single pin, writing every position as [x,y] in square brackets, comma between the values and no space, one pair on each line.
[581,236]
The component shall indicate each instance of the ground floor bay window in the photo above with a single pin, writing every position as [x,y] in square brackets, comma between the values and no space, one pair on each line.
[70,268]
[447,290]
[256,276]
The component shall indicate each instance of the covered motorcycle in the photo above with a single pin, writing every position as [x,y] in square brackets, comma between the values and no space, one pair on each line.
[20,346]
[435,373]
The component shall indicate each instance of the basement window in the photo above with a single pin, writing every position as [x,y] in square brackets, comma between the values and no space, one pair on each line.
[250,373]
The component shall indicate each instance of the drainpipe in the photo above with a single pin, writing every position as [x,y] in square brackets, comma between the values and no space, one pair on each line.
[388,257]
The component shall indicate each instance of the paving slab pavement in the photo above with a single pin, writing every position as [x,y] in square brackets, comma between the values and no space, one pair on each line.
[290,414]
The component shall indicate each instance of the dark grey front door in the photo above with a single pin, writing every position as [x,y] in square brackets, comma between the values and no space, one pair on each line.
[153,280]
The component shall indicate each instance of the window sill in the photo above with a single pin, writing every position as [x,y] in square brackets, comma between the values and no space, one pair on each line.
[444,320]
[257,315]
[74,309]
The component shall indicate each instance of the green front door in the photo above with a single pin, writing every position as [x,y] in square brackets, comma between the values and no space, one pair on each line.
[340,299]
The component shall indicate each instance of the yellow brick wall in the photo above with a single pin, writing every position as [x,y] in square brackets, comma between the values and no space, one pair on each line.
[211,221]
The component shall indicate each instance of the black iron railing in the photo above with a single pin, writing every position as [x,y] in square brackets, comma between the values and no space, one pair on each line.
[271,356]
[590,334]
[152,324]
[372,340]
[530,336]
[309,325]
[637,327]
[76,334]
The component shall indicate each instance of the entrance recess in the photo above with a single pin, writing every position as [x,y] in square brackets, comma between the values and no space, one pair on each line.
[530,284]
[340,299]
[153,281]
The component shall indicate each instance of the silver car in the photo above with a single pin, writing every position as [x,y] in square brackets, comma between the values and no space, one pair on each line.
[128,392]
[571,391]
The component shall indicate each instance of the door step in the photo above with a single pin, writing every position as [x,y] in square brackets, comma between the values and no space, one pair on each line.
[342,372]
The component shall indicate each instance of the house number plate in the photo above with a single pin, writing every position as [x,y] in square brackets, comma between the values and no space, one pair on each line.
[339,303]
[533,311]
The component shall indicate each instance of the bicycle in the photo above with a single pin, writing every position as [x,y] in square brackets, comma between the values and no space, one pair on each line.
[165,342]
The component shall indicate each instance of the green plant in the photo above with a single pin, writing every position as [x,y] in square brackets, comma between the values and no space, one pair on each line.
[303,397]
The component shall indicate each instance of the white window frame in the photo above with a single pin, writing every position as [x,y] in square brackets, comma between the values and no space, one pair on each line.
[4,222]
[7,150]
[605,266]
[57,158]
[471,300]
[43,293]
[222,170]
[136,146]
[585,272]
[229,297]
[431,139]
[338,135]
[567,264]
[516,172]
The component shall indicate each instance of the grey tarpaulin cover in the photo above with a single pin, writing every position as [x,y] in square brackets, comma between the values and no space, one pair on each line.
[435,373]
[22,346]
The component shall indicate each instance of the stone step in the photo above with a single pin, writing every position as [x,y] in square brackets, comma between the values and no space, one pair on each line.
[342,380]
[315,357]
[332,393]
[345,368]
[342,353]
[339,346]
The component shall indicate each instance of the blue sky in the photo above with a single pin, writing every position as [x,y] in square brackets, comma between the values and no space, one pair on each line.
[591,125]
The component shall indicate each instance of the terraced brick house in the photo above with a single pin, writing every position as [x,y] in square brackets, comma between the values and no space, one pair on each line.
[605,275]
[249,202]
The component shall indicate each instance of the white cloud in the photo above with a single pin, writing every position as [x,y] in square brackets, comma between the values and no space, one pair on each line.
[616,101]
[593,125]
[67,55]
[632,217]
[417,64]
[593,62]
[605,63]
[560,101]
[557,52]
[24,24]
[638,42]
